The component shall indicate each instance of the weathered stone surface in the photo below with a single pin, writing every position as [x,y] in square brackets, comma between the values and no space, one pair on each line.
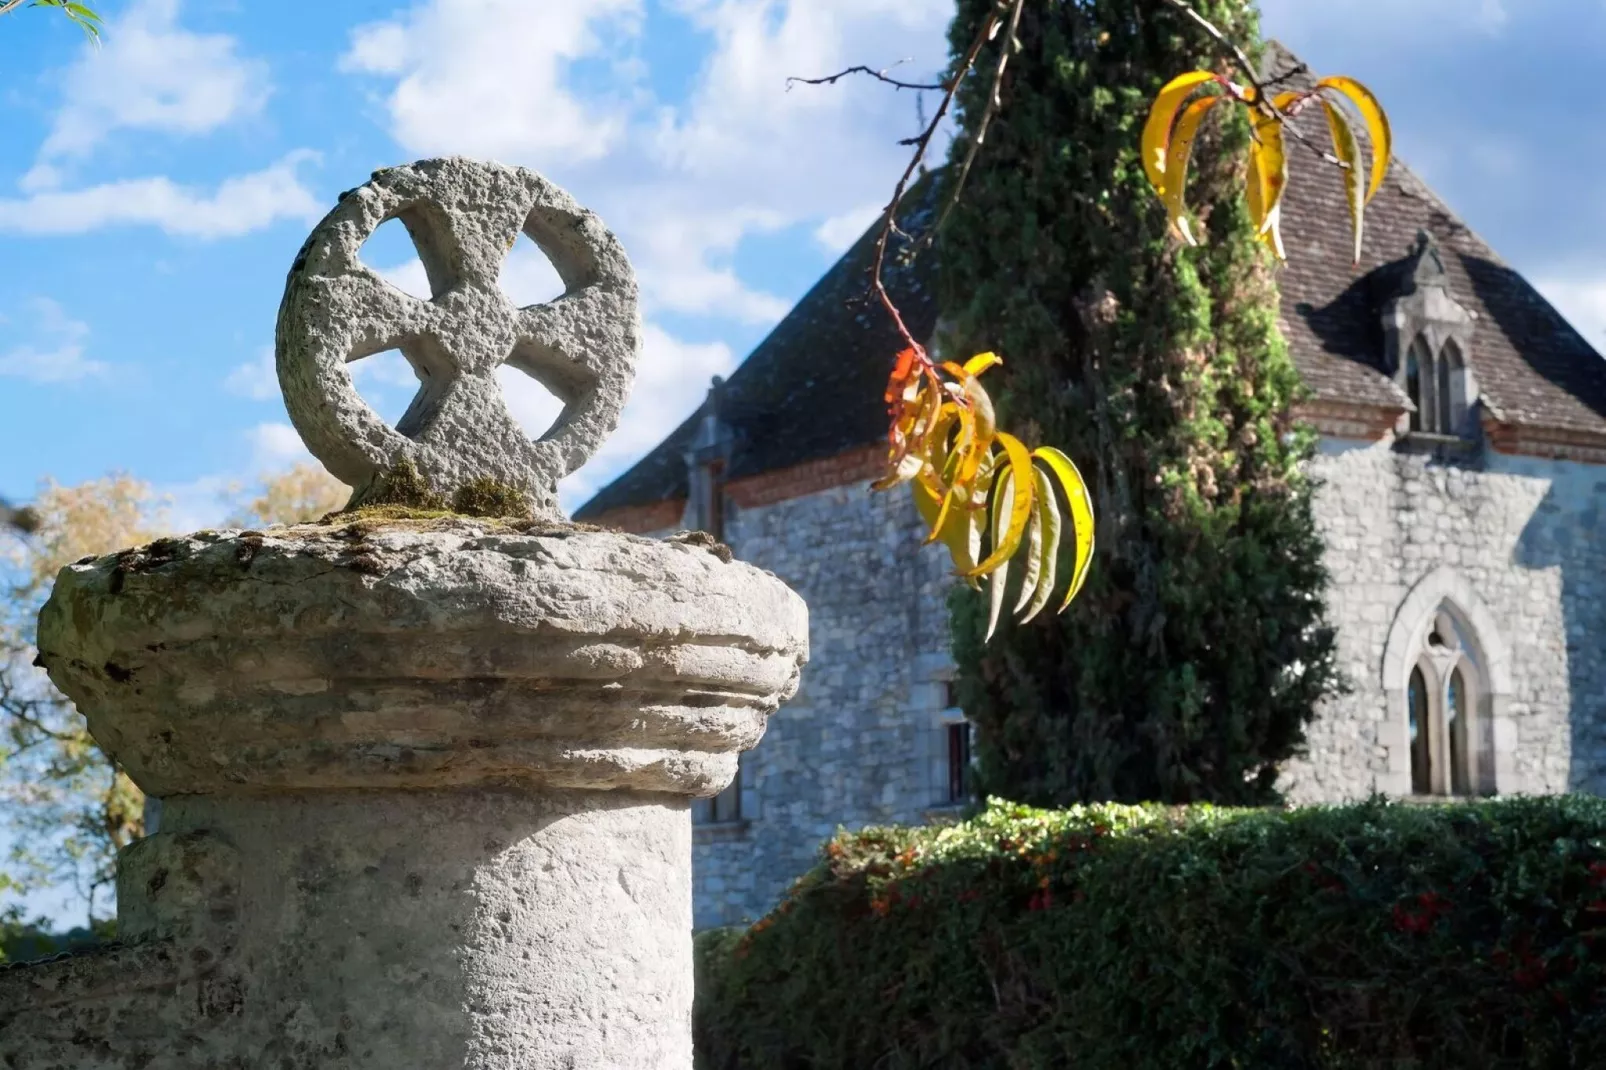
[1522,538]
[421,929]
[426,793]
[864,740]
[444,653]
[464,216]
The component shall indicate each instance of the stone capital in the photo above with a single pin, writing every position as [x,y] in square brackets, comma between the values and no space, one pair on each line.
[435,654]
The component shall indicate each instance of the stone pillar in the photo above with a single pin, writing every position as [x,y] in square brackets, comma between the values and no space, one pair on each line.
[425,785]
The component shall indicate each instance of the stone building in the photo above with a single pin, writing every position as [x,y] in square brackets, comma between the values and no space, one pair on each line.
[1463,503]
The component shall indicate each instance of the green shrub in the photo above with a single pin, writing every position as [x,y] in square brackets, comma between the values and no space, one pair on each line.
[1372,935]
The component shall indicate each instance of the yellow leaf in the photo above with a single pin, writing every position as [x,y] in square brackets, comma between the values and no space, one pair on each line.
[1377,124]
[1162,115]
[1176,171]
[1034,552]
[1349,154]
[906,467]
[1048,519]
[983,426]
[973,516]
[1081,506]
[953,530]
[981,362]
[1255,189]
[1020,511]
[1000,575]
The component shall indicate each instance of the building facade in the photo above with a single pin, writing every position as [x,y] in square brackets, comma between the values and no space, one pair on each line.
[1462,499]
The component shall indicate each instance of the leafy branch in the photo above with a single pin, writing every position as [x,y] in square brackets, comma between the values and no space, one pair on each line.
[85,16]
[976,486]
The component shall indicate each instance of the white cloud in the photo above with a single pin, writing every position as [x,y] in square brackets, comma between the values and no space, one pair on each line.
[1582,299]
[486,77]
[1302,20]
[257,379]
[671,381]
[841,231]
[58,355]
[275,446]
[682,182]
[151,75]
[238,206]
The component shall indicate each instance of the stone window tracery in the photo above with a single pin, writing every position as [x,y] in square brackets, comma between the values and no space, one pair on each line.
[1442,725]
[1437,386]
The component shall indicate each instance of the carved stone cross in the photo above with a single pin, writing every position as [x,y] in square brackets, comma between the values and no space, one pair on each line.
[464,217]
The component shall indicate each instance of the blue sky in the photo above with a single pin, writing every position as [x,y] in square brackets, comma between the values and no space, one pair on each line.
[154,192]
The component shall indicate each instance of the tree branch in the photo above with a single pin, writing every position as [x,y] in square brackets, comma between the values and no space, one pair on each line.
[880,76]
[1262,99]
[994,102]
[1235,53]
[921,142]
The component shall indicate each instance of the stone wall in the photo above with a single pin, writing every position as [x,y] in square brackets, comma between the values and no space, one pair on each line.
[1522,540]
[858,744]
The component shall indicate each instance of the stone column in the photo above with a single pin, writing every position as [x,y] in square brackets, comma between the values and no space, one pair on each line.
[425,781]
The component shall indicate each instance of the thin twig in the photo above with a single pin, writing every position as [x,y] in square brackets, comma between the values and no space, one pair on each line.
[1251,75]
[9,5]
[994,102]
[1262,95]
[921,142]
[880,76]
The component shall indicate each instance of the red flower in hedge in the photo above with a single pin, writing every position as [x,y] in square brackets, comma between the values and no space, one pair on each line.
[1597,873]
[1430,906]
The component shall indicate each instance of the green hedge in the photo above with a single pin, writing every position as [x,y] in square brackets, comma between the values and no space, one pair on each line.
[1372,935]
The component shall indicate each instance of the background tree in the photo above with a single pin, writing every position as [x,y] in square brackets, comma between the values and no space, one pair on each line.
[1199,648]
[70,808]
[304,493]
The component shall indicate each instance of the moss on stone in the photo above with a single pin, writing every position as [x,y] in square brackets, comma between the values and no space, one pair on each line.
[487,498]
[403,486]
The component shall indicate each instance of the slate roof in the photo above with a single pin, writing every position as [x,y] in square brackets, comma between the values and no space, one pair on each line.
[1531,367]
[812,388]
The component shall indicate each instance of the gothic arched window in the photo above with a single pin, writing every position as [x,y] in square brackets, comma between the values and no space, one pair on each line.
[1437,385]
[1442,720]
[1456,731]
[1421,750]
[1453,400]
[1417,362]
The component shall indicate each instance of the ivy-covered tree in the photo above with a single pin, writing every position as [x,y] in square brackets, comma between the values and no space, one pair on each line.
[1195,656]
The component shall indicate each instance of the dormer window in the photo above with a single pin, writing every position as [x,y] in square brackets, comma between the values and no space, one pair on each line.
[1437,386]
[1428,332]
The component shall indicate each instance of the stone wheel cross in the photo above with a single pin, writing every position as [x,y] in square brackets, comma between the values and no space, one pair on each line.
[464,217]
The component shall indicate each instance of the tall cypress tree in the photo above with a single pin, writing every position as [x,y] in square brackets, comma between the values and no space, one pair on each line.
[1194,659]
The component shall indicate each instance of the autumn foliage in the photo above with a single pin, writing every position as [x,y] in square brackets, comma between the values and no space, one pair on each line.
[977,487]
[1180,108]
